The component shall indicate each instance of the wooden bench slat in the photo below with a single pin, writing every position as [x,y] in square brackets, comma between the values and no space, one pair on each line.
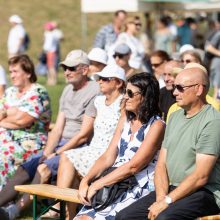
[50,191]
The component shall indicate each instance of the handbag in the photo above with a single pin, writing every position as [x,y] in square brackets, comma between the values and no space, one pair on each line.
[108,194]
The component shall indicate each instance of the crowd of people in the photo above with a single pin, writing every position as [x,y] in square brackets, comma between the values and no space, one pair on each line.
[144,121]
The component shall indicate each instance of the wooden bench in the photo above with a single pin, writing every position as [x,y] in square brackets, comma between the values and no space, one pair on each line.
[61,195]
[211,217]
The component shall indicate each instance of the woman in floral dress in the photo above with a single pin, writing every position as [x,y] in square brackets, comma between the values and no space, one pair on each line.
[24,117]
[132,150]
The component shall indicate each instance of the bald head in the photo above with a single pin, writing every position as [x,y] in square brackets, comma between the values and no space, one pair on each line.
[195,75]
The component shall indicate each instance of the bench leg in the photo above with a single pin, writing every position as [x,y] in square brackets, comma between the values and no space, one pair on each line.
[62,210]
[35,207]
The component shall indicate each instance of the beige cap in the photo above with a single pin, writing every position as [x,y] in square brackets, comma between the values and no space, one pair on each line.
[74,58]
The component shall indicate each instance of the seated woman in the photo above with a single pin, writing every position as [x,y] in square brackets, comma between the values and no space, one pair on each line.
[79,160]
[24,117]
[132,150]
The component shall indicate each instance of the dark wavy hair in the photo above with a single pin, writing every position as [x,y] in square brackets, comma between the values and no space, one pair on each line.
[150,91]
[26,65]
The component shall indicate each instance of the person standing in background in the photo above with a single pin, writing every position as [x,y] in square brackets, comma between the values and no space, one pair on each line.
[108,34]
[16,36]
[3,81]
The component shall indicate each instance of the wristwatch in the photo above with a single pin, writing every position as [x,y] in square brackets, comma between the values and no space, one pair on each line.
[168,200]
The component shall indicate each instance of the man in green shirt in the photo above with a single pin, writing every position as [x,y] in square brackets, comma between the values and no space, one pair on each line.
[187,176]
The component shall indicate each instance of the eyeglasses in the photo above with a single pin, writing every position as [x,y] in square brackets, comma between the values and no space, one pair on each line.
[70,68]
[182,88]
[105,79]
[131,94]
[120,56]
[156,64]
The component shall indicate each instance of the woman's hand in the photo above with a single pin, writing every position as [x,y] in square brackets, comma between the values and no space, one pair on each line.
[3,114]
[93,188]
[83,190]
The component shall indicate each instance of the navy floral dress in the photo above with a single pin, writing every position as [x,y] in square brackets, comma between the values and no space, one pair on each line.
[126,150]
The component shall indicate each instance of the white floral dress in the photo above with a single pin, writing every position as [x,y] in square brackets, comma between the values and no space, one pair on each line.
[126,150]
[105,123]
[17,145]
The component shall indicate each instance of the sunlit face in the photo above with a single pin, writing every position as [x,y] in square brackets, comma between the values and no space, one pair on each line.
[122,60]
[132,103]
[157,65]
[109,84]
[186,96]
[168,77]
[188,58]
[95,67]
[73,74]
[19,77]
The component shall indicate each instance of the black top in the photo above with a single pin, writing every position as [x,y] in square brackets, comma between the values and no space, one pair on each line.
[166,100]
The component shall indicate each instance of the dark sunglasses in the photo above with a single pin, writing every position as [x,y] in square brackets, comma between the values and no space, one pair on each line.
[131,94]
[105,79]
[156,64]
[186,61]
[138,24]
[181,88]
[120,56]
[70,68]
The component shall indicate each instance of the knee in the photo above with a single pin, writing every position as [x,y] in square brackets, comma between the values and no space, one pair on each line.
[64,160]
[163,216]
[44,172]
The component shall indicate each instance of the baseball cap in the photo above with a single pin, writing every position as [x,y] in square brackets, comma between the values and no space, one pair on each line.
[123,49]
[15,19]
[186,47]
[74,58]
[111,70]
[98,55]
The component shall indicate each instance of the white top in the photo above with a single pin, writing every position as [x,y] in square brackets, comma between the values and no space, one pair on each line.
[3,80]
[15,35]
[50,41]
[105,122]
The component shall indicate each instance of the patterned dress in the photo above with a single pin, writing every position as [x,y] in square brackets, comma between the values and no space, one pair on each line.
[126,150]
[105,123]
[17,145]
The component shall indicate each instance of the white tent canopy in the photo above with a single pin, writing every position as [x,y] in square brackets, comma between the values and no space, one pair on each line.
[96,6]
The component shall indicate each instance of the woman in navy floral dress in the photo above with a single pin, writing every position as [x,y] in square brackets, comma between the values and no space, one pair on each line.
[133,149]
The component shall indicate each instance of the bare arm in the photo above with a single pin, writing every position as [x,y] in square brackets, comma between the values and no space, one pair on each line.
[2,90]
[161,179]
[144,155]
[15,119]
[82,136]
[55,135]
[197,179]
[212,50]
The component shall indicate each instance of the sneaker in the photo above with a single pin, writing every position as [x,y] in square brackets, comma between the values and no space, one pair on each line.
[4,214]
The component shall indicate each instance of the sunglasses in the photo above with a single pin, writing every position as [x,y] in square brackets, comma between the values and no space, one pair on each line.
[156,64]
[186,61]
[70,68]
[105,79]
[182,88]
[131,94]
[138,24]
[120,56]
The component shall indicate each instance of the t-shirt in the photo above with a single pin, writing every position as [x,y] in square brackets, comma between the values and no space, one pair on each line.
[15,35]
[185,137]
[75,104]
[166,100]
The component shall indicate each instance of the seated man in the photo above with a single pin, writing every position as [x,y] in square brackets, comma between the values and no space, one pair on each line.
[187,175]
[74,127]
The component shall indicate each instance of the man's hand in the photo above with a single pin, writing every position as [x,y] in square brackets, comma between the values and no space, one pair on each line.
[156,208]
